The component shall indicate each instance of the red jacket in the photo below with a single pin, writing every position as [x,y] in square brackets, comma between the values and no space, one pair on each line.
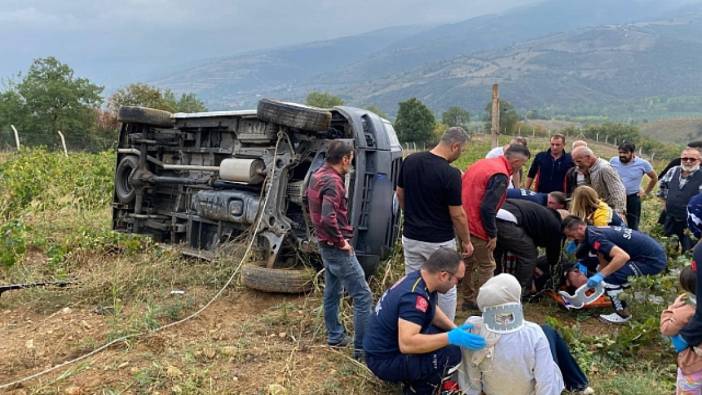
[473,185]
[326,197]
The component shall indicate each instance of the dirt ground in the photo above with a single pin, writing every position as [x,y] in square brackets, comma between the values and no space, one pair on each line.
[246,342]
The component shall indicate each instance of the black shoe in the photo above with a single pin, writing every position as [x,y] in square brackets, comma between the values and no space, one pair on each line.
[341,343]
[359,355]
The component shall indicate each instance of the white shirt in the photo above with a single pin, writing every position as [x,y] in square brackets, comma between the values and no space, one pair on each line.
[495,152]
[519,363]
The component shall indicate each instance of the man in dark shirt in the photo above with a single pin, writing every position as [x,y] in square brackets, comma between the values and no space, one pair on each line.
[429,192]
[326,196]
[549,167]
[484,187]
[522,226]
[622,253]
[409,339]
[677,186]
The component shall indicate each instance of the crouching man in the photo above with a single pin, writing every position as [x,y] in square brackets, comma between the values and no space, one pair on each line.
[408,338]
[621,253]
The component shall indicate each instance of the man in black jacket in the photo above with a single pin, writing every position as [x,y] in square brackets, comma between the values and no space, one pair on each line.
[522,226]
[677,186]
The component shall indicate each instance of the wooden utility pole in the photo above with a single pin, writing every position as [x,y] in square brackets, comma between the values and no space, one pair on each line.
[495,129]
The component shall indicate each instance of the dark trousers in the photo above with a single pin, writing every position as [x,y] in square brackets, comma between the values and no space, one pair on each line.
[512,238]
[573,377]
[672,226]
[419,373]
[633,210]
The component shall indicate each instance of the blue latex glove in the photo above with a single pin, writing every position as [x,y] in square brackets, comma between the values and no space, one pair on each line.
[595,280]
[460,337]
[581,268]
[570,247]
[679,343]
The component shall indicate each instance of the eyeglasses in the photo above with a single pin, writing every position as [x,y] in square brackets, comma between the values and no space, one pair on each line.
[451,275]
[688,159]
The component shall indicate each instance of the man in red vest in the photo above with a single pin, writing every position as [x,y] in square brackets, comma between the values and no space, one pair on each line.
[484,187]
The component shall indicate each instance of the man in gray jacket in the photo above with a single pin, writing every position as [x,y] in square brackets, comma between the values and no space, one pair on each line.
[602,177]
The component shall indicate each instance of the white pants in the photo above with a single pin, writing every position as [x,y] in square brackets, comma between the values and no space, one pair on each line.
[416,253]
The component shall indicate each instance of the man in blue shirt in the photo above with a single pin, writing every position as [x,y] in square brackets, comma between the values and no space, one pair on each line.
[549,167]
[408,338]
[631,170]
[622,252]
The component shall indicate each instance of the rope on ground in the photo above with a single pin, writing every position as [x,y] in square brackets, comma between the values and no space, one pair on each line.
[281,136]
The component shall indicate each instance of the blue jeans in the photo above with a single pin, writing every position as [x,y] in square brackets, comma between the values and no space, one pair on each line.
[573,377]
[342,271]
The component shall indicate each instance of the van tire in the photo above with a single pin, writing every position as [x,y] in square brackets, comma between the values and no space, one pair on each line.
[294,115]
[145,116]
[291,281]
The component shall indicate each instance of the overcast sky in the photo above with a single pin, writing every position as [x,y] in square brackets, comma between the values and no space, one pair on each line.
[129,40]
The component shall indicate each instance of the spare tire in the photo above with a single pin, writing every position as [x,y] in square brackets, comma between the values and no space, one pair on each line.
[294,115]
[291,281]
[146,116]
[124,191]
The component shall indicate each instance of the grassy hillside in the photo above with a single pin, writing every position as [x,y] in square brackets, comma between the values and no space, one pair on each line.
[680,130]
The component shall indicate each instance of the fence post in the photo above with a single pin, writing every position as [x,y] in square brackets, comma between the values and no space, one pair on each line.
[17,142]
[63,142]
[597,137]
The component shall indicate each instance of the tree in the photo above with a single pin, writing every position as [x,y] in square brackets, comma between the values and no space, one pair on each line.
[323,100]
[150,96]
[438,131]
[139,95]
[50,98]
[414,121]
[377,110]
[509,118]
[190,103]
[456,116]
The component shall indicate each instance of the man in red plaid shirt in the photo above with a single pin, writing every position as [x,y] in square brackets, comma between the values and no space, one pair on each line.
[326,195]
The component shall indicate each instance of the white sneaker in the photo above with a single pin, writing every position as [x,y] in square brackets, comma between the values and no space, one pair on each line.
[614,318]
[586,391]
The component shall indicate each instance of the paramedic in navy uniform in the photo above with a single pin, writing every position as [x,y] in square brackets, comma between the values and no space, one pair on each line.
[408,338]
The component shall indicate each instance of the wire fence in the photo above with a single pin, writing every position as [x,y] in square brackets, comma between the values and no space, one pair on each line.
[82,141]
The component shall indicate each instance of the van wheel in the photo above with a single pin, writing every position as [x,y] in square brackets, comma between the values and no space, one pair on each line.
[124,191]
[294,115]
[291,281]
[146,116]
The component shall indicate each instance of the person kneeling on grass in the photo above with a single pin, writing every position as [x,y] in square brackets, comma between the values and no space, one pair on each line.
[521,358]
[673,319]
[408,338]
[621,252]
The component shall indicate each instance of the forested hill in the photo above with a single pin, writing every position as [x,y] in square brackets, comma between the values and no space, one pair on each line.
[587,57]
